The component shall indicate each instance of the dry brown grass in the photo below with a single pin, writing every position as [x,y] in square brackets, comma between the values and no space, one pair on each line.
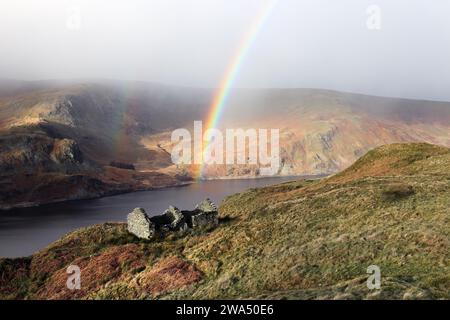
[168,275]
[95,271]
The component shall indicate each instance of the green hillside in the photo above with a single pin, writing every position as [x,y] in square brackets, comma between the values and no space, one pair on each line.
[298,240]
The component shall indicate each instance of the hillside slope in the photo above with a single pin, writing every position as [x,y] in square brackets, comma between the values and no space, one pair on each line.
[71,133]
[324,132]
[297,240]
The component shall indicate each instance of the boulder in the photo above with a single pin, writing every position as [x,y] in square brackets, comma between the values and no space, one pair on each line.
[140,225]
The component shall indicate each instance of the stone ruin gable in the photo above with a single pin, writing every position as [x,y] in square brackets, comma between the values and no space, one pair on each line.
[204,216]
[139,224]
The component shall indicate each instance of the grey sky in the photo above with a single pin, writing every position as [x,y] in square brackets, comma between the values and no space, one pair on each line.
[305,43]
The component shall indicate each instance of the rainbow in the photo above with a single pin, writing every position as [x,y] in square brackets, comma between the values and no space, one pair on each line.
[121,138]
[223,91]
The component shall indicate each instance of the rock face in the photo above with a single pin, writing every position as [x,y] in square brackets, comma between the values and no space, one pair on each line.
[66,151]
[140,225]
[204,216]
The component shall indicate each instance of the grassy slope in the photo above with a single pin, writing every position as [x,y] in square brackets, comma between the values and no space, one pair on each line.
[300,239]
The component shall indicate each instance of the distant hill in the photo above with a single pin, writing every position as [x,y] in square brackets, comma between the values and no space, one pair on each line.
[68,132]
[57,141]
[323,132]
[297,240]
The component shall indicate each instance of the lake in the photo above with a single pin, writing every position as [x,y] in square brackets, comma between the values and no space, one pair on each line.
[26,230]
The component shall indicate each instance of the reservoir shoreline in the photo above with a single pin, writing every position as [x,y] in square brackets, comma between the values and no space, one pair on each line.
[24,231]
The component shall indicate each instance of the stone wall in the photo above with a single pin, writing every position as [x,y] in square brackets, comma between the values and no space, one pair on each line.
[204,216]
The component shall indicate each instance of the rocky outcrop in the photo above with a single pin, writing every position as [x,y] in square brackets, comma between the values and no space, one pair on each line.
[66,151]
[204,216]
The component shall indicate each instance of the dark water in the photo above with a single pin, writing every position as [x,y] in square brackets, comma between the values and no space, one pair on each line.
[24,231]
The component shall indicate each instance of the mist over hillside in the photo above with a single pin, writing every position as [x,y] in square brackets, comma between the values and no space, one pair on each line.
[61,129]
